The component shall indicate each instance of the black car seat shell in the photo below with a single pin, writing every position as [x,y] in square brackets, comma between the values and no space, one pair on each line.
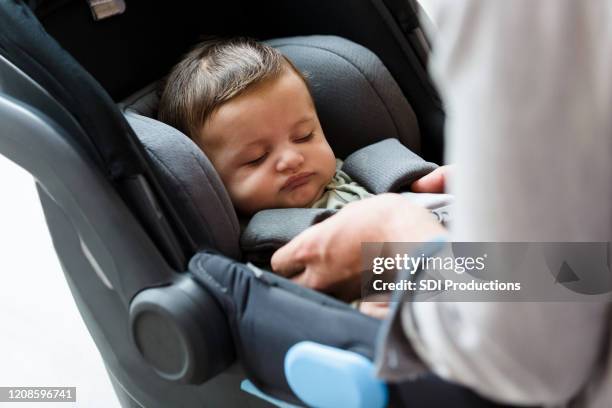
[167,332]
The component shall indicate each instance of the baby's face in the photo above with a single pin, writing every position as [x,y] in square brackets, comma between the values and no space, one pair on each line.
[268,146]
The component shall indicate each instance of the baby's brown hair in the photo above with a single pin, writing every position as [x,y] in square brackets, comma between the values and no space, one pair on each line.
[212,73]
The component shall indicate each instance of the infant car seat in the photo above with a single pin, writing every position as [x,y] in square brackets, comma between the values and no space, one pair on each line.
[125,219]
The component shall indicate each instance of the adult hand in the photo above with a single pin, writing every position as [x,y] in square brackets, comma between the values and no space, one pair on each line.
[327,256]
[434,182]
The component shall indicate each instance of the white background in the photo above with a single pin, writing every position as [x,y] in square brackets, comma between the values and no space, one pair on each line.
[43,340]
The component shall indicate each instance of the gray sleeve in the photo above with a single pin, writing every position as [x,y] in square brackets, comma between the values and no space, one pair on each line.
[528,92]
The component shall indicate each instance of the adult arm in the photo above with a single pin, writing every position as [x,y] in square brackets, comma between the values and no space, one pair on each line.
[527,91]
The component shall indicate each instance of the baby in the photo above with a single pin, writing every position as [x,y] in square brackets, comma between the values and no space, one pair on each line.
[250,110]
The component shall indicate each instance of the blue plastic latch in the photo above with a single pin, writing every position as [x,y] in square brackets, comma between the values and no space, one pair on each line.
[327,377]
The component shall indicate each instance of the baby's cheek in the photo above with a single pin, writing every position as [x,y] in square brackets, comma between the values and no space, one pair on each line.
[236,188]
[330,163]
[250,192]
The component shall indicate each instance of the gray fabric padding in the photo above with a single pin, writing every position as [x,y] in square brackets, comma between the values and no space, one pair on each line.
[386,166]
[357,99]
[194,187]
[270,229]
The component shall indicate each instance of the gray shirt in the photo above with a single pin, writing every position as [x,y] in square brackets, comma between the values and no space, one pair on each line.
[527,87]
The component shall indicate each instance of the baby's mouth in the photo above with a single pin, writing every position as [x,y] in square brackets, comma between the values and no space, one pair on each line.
[296,181]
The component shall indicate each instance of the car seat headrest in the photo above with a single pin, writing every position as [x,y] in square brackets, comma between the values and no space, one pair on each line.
[357,101]
[192,184]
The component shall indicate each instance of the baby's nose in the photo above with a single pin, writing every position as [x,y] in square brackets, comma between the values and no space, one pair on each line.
[290,159]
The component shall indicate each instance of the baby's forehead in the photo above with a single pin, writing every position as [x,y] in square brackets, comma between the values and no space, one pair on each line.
[274,106]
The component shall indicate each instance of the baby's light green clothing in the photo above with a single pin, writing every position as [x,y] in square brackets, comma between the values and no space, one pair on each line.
[341,191]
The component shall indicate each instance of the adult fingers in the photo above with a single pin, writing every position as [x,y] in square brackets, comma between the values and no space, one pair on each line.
[433,182]
[311,278]
[303,279]
[378,310]
[291,258]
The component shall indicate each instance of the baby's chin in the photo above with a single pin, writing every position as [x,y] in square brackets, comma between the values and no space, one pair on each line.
[306,199]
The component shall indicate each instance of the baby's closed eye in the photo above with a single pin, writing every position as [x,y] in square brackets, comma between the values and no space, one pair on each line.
[305,138]
[256,159]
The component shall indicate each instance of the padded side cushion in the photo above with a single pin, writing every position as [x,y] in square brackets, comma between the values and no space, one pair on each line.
[386,166]
[193,184]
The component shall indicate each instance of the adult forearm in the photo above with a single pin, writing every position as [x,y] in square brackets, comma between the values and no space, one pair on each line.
[525,88]
[520,353]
